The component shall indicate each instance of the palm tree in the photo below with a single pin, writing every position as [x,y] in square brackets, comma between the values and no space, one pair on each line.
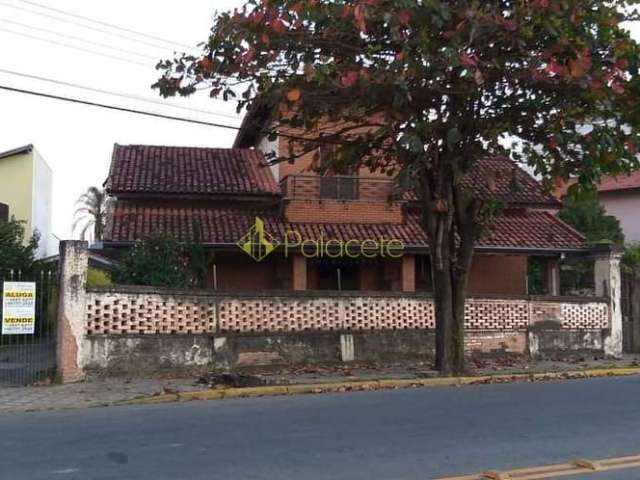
[91,213]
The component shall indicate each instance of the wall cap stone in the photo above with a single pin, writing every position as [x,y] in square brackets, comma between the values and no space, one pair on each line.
[317,294]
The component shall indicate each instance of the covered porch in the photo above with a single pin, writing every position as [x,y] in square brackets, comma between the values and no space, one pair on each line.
[492,273]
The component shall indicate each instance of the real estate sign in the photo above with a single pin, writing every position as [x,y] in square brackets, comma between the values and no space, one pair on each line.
[18,308]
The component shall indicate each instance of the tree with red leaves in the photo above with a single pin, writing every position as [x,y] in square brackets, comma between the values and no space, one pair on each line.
[423,89]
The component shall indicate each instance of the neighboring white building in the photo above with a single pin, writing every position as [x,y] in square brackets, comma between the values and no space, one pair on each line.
[26,186]
[621,198]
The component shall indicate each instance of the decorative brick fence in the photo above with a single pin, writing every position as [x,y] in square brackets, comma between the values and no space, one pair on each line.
[138,329]
[149,311]
[141,330]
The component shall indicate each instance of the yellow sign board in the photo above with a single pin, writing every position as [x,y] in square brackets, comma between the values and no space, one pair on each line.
[18,308]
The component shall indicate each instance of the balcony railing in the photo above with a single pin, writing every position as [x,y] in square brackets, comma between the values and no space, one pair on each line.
[338,187]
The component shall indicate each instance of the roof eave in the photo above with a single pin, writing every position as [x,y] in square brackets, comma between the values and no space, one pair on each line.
[17,151]
[252,123]
[414,249]
[169,196]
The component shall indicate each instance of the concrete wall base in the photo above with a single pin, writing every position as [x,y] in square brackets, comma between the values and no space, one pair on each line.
[551,343]
[149,354]
[140,355]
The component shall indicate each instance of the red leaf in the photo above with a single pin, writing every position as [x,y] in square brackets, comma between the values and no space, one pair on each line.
[404,16]
[595,84]
[617,87]
[576,68]
[479,78]
[206,65]
[278,25]
[622,63]
[359,16]
[511,25]
[469,61]
[555,68]
[294,95]
[631,147]
[248,56]
[350,78]
[256,17]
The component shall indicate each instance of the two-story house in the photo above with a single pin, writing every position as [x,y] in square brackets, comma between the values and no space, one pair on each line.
[26,190]
[284,227]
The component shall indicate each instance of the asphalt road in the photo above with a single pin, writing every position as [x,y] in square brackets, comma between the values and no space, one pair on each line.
[401,434]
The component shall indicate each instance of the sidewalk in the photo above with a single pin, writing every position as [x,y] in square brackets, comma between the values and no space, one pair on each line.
[317,379]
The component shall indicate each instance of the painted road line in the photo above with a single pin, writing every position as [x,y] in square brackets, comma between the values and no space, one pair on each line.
[578,467]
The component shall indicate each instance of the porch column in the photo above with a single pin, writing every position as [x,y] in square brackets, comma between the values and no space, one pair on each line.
[608,282]
[552,276]
[408,273]
[73,265]
[299,280]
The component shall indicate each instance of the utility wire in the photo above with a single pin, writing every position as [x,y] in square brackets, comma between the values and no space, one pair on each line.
[74,47]
[117,108]
[138,112]
[135,32]
[116,94]
[81,25]
[72,37]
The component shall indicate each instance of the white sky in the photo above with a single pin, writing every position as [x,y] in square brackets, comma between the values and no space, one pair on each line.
[75,140]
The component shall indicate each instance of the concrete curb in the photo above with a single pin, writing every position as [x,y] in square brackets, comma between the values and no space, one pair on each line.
[366,385]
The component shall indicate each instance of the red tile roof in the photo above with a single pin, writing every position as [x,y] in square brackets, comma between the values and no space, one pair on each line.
[534,229]
[145,169]
[515,229]
[189,170]
[628,181]
[500,179]
[622,182]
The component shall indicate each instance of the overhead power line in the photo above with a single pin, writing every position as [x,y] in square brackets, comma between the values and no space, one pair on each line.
[92,28]
[138,112]
[116,108]
[80,39]
[116,94]
[74,47]
[110,25]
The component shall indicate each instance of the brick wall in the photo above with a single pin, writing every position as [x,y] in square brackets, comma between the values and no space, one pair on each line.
[343,211]
[130,310]
[506,274]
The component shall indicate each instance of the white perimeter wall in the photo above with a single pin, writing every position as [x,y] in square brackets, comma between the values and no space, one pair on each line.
[42,208]
[624,205]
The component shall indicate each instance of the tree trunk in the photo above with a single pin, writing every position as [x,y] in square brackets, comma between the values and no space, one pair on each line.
[449,299]
[451,227]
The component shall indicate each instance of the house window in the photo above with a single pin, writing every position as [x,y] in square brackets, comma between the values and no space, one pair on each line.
[340,184]
[424,282]
[337,275]
[339,188]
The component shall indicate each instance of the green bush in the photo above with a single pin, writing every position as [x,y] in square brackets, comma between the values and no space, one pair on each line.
[98,278]
[163,262]
[15,252]
[588,216]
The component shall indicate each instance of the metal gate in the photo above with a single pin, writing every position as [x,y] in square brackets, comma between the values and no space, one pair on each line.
[26,359]
[630,304]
